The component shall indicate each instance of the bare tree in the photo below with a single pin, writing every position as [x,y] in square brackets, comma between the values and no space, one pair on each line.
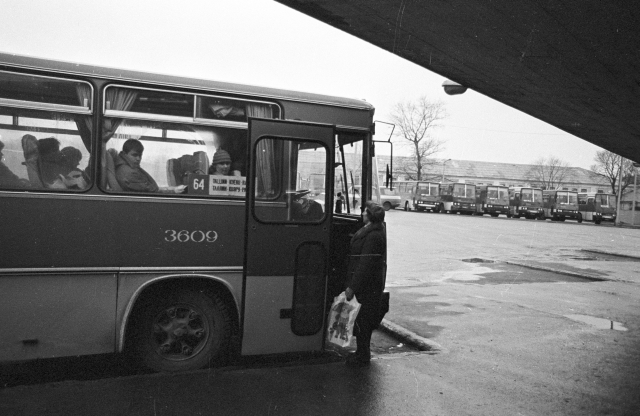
[549,172]
[415,122]
[608,166]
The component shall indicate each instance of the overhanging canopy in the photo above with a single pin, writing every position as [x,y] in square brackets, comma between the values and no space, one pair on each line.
[574,64]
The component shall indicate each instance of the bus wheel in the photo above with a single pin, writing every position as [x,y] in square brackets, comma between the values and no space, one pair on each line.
[406,206]
[386,206]
[182,331]
[579,218]
[598,221]
[509,215]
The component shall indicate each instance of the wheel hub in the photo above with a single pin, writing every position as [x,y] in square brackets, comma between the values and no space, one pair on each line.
[179,332]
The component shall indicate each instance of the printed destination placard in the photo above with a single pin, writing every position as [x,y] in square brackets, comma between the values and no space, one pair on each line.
[217,185]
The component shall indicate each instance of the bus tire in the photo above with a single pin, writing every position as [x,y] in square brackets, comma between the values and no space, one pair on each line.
[579,218]
[386,206]
[598,221]
[182,331]
[406,206]
[509,215]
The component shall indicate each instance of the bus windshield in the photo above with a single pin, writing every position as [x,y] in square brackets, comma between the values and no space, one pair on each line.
[463,190]
[604,199]
[499,193]
[537,195]
[429,189]
[567,198]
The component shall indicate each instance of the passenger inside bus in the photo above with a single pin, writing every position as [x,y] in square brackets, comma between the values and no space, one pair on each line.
[50,167]
[221,165]
[131,176]
[8,179]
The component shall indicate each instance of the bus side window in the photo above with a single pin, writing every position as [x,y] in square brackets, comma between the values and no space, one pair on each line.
[45,149]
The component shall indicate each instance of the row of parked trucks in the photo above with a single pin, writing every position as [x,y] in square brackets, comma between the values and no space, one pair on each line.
[513,202]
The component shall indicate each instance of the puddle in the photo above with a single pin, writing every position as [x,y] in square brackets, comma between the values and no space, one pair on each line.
[477,260]
[597,322]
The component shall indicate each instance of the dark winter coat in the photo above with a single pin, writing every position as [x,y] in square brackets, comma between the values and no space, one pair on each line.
[133,178]
[366,269]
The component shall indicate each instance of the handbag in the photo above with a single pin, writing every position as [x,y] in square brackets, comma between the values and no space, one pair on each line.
[342,317]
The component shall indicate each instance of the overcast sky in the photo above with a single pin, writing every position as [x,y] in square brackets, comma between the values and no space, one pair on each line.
[261,42]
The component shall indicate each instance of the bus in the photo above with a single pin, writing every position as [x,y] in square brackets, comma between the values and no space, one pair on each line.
[457,198]
[419,195]
[492,200]
[118,236]
[525,202]
[561,205]
[607,206]
[589,207]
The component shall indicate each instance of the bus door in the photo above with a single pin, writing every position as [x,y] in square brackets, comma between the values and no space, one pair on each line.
[287,236]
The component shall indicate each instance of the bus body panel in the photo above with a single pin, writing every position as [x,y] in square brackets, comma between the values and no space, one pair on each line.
[56,313]
[70,231]
[133,281]
[265,329]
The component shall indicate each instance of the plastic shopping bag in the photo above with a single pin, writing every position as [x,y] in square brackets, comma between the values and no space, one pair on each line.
[342,318]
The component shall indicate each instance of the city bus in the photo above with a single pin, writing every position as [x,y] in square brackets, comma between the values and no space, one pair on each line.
[492,200]
[525,202]
[119,234]
[560,205]
[589,207]
[458,197]
[419,195]
[607,206]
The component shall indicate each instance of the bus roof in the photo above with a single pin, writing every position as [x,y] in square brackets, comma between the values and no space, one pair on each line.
[78,69]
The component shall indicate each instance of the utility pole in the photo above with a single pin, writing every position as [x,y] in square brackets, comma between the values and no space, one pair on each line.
[619,196]
[443,165]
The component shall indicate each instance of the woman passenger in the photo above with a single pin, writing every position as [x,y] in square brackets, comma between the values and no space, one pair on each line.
[365,279]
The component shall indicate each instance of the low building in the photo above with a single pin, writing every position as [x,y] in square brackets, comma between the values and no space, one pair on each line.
[490,173]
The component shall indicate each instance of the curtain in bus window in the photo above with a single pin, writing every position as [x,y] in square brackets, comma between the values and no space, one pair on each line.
[265,154]
[117,99]
[84,122]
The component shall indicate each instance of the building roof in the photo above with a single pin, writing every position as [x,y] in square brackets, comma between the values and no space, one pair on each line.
[469,169]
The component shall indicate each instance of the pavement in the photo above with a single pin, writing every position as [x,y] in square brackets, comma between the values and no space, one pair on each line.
[596,270]
[534,335]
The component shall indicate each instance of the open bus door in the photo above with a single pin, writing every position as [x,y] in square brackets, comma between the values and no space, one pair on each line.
[287,247]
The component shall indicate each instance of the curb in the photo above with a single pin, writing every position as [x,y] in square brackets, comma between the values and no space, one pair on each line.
[610,253]
[568,273]
[410,338]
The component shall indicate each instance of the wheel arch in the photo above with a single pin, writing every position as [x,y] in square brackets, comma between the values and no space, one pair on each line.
[201,282]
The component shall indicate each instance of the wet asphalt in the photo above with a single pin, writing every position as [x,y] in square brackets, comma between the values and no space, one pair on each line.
[515,326]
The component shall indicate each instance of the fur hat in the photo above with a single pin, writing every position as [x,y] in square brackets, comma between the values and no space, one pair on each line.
[221,156]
